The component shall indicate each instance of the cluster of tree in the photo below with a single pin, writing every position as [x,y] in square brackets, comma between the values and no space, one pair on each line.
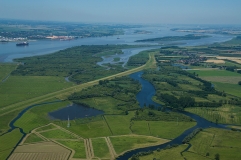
[182,102]
[116,89]
[148,114]
[138,59]
[191,135]
[136,156]
[76,62]
[207,86]
[231,68]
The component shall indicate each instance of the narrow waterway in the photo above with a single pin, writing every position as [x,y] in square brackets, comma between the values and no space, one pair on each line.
[148,91]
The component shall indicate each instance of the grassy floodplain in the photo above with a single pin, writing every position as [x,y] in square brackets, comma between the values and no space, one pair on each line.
[227,114]
[21,88]
[124,143]
[8,142]
[5,70]
[38,116]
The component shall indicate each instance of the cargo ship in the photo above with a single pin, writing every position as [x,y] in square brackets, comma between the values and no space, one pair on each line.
[22,44]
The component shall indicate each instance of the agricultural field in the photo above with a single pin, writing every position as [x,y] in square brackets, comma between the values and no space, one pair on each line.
[217,141]
[232,89]
[38,151]
[77,146]
[100,148]
[32,138]
[227,114]
[8,142]
[124,143]
[162,129]
[57,134]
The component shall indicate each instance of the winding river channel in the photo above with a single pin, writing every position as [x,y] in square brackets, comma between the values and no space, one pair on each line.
[9,51]
[147,93]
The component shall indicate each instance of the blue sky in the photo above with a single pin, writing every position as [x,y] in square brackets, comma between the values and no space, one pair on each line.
[125,11]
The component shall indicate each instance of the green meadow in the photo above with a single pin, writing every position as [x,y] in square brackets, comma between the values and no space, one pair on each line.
[33,138]
[21,88]
[8,142]
[78,146]
[5,70]
[100,148]
[124,143]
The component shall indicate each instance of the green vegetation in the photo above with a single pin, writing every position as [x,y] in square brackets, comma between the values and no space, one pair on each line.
[174,38]
[227,114]
[74,62]
[109,53]
[78,146]
[33,138]
[38,116]
[117,59]
[207,73]
[5,119]
[173,153]
[124,143]
[217,141]
[162,129]
[50,126]
[112,96]
[8,142]
[232,89]
[119,124]
[57,134]
[139,59]
[100,147]
[148,114]
[5,70]
[21,88]
[88,127]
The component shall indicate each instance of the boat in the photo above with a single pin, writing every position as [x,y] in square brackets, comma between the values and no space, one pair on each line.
[22,44]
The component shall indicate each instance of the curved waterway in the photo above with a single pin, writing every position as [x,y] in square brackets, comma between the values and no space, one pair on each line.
[147,93]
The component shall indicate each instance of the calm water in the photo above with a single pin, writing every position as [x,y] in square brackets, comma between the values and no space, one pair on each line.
[74,111]
[144,97]
[9,51]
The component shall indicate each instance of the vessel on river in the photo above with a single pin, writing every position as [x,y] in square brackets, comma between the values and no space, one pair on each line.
[22,44]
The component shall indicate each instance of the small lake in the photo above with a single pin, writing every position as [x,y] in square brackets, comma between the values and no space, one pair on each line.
[74,111]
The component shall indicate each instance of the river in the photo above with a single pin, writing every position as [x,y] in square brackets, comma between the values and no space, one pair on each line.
[201,122]
[9,51]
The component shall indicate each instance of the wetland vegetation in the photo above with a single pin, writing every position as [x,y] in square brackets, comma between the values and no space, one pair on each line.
[124,125]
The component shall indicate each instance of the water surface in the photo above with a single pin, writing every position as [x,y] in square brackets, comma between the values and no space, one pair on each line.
[74,111]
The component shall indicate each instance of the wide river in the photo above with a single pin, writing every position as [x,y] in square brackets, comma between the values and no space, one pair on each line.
[9,51]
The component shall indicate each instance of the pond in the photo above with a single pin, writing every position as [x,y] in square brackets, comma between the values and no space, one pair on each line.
[74,111]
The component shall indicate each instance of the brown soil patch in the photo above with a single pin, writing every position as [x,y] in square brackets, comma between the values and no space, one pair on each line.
[39,151]
[215,61]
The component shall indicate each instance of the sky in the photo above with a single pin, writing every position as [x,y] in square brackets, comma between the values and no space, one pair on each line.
[125,11]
